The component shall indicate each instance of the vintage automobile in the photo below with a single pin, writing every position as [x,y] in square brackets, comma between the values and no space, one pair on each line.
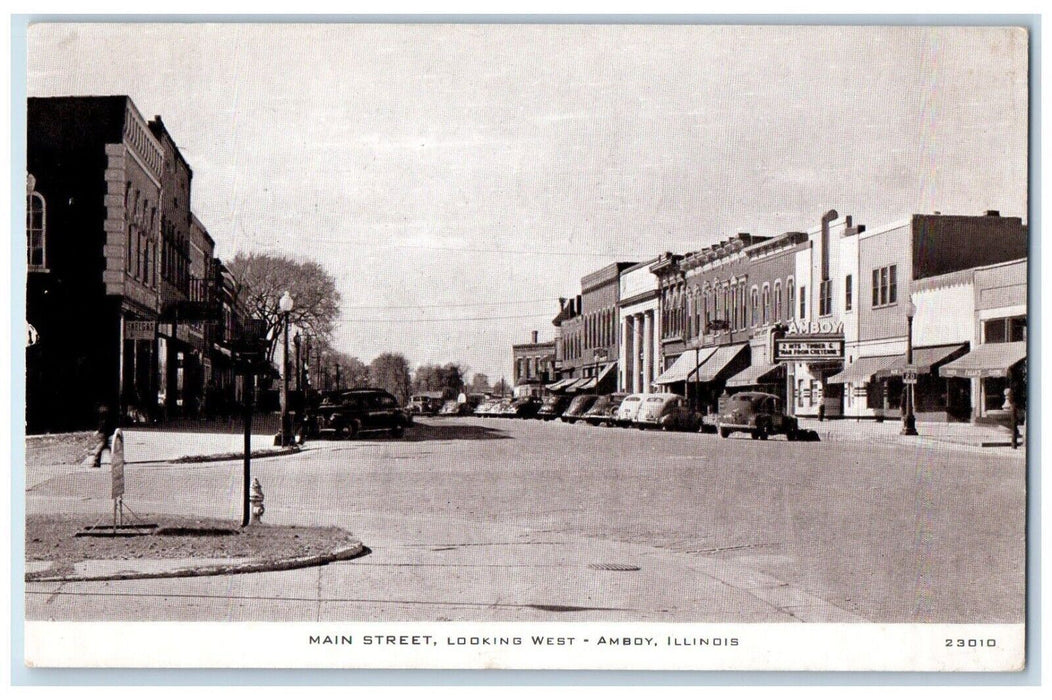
[553,406]
[525,407]
[759,414]
[577,407]
[626,412]
[424,404]
[353,411]
[487,408]
[604,410]
[668,412]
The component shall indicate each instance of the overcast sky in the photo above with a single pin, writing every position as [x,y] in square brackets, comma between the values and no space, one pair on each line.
[475,173]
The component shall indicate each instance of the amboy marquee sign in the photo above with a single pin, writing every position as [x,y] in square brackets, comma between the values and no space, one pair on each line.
[817,340]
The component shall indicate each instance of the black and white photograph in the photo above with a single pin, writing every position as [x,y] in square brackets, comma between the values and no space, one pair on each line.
[525,345]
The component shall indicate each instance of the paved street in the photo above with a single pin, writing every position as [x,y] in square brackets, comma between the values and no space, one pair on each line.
[497,519]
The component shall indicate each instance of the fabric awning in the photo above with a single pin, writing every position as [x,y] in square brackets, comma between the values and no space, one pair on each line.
[595,381]
[717,362]
[861,371]
[684,365]
[754,375]
[575,384]
[987,360]
[587,384]
[924,359]
[562,383]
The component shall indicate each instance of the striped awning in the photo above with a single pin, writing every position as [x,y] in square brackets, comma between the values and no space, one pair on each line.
[717,362]
[754,375]
[684,365]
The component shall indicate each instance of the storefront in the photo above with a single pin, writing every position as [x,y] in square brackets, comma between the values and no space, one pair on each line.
[813,354]
[997,367]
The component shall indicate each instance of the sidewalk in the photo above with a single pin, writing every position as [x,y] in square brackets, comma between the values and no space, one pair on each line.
[966,434]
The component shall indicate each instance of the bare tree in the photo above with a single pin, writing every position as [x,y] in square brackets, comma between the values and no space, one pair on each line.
[262,279]
[390,371]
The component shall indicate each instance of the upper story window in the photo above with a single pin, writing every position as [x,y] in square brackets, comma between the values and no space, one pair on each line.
[766,304]
[755,299]
[885,285]
[825,297]
[36,227]
[803,301]
[1005,330]
[790,298]
[777,300]
[848,295]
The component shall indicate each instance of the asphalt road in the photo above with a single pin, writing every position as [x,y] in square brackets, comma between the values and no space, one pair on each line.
[498,519]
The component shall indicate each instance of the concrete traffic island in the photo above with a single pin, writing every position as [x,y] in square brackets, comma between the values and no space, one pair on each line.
[61,548]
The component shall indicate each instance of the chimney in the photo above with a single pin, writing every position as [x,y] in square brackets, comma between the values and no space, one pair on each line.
[534,334]
[993,212]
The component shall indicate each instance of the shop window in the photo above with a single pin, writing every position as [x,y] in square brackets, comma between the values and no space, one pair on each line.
[994,392]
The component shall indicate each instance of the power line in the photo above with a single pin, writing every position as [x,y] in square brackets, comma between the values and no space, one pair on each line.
[438,320]
[547,300]
[504,251]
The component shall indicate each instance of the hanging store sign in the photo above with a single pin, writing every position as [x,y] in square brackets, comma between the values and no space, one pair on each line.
[140,330]
[787,349]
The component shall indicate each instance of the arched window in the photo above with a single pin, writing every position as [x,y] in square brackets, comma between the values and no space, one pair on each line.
[36,227]
[755,304]
[766,303]
[777,316]
[790,298]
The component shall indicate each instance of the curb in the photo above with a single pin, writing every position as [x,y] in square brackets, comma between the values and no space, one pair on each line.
[352,550]
[227,456]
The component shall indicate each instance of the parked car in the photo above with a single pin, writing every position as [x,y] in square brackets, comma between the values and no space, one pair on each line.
[487,407]
[626,412]
[503,408]
[525,407]
[668,412]
[353,411]
[424,404]
[449,408]
[759,414]
[553,406]
[604,410]
[577,407]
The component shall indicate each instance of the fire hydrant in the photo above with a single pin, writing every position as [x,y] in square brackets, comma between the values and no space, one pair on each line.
[255,497]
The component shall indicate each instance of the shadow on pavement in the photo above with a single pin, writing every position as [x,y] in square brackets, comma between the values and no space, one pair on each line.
[421,432]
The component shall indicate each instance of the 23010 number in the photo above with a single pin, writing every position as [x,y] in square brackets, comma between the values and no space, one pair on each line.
[971,642]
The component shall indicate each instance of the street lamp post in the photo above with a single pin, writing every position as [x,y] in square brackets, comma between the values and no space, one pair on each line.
[299,373]
[909,420]
[285,304]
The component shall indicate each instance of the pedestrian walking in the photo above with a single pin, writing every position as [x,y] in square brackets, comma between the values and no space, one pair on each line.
[107,424]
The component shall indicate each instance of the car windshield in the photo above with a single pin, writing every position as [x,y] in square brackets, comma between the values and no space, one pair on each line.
[655,399]
[632,399]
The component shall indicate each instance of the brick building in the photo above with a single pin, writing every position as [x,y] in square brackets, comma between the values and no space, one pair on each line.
[109,290]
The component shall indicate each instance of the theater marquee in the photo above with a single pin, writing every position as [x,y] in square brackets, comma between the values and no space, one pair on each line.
[790,349]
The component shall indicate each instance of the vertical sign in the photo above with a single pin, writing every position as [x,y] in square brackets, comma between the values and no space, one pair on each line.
[117,464]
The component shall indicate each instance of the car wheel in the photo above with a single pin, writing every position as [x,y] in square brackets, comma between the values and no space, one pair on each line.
[761,431]
[755,434]
[725,433]
[398,430]
[351,431]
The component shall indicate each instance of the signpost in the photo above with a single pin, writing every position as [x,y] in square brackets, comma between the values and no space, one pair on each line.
[119,528]
[909,375]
